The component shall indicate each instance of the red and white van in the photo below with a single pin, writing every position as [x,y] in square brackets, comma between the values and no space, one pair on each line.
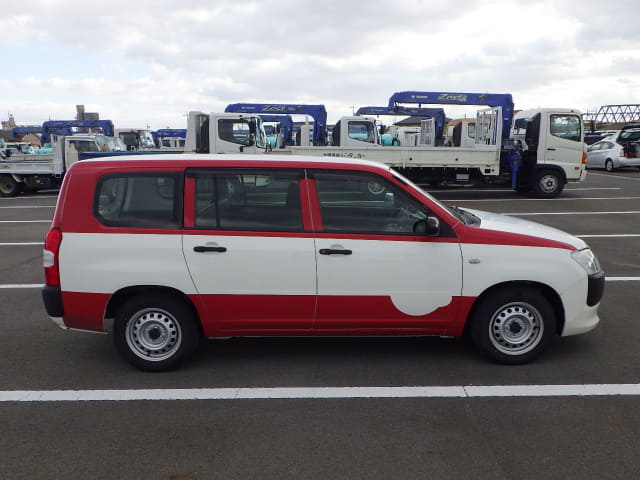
[162,250]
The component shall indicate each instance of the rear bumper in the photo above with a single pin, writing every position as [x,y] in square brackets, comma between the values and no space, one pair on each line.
[52,298]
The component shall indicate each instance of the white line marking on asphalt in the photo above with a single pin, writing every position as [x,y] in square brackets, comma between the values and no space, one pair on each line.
[614,176]
[21,285]
[622,279]
[536,199]
[320,393]
[516,214]
[19,244]
[25,221]
[31,206]
[39,197]
[613,235]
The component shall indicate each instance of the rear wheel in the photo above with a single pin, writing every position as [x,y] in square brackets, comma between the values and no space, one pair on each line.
[513,325]
[8,186]
[608,165]
[155,332]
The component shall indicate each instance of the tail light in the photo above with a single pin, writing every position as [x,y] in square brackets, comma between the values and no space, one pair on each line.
[584,158]
[50,257]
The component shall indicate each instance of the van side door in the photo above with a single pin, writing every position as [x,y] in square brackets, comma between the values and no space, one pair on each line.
[247,251]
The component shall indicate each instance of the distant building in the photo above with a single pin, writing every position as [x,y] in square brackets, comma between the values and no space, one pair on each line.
[82,115]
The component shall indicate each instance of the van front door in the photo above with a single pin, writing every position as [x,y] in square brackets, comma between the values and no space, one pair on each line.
[374,271]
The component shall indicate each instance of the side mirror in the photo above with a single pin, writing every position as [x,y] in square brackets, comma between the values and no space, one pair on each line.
[430,226]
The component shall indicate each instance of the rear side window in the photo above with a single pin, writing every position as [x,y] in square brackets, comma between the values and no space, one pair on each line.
[149,200]
[250,200]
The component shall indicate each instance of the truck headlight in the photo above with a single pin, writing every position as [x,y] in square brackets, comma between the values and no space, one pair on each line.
[587,260]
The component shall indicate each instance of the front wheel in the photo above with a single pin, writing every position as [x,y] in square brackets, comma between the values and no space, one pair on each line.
[513,325]
[548,183]
[155,332]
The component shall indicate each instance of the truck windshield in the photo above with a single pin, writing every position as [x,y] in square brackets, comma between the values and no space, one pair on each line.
[261,136]
[363,131]
[146,139]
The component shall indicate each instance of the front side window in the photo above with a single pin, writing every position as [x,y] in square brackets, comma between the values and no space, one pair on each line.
[363,131]
[235,130]
[84,145]
[352,202]
[568,127]
[150,200]
[250,200]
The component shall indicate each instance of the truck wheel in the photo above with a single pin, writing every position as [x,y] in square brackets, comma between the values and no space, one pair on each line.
[8,186]
[548,183]
[513,325]
[608,165]
[155,332]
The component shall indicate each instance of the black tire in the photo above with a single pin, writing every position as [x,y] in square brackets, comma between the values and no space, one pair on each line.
[548,183]
[155,332]
[8,186]
[608,165]
[513,325]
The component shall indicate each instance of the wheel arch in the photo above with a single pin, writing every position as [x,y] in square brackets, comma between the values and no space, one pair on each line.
[122,296]
[547,292]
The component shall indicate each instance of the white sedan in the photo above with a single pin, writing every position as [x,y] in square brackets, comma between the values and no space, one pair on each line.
[609,154]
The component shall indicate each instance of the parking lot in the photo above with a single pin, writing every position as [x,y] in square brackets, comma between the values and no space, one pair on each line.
[320,408]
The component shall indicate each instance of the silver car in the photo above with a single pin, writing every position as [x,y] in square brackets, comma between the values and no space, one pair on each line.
[609,154]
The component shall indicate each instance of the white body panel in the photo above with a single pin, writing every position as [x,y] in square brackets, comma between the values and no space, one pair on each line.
[252,265]
[420,277]
[105,263]
[485,157]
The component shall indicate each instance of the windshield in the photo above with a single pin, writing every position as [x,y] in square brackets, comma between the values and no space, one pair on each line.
[146,139]
[261,137]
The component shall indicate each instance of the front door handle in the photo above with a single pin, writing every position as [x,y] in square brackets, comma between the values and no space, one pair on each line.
[552,149]
[202,248]
[335,251]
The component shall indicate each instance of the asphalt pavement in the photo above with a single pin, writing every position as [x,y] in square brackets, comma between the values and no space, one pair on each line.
[372,435]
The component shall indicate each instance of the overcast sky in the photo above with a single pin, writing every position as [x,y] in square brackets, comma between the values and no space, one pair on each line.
[146,63]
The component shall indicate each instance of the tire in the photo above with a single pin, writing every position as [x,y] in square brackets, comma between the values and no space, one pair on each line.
[608,165]
[155,332]
[8,186]
[513,325]
[548,183]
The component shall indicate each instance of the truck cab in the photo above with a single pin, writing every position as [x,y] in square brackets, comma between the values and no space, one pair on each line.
[225,133]
[355,132]
[553,148]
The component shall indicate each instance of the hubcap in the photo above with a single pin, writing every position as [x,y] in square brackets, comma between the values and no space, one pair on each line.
[548,183]
[516,328]
[153,334]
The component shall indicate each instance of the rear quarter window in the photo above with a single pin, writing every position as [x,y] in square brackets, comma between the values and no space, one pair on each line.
[134,200]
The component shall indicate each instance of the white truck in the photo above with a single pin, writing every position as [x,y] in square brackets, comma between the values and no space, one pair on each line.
[28,172]
[540,153]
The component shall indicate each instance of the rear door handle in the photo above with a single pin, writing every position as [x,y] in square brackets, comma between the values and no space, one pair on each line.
[335,251]
[202,248]
[552,149]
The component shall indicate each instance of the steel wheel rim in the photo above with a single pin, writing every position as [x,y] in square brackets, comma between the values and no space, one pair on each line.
[516,328]
[548,183]
[153,334]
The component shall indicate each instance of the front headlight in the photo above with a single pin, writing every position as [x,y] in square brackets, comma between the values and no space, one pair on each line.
[587,260]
